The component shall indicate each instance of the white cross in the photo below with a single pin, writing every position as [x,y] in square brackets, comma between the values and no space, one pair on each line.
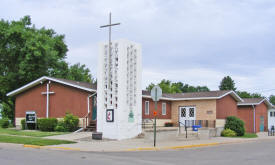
[48,97]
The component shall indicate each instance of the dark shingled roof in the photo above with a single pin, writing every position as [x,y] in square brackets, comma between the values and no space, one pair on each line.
[79,83]
[251,100]
[190,94]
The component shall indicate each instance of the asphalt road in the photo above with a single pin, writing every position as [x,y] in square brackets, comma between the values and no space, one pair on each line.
[258,153]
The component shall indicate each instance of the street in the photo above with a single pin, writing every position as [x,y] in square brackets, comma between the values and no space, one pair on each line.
[250,153]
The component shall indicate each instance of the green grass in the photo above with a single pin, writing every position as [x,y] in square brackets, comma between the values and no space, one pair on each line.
[248,135]
[31,133]
[32,140]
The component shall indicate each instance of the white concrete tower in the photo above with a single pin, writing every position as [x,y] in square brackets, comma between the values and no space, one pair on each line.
[119,98]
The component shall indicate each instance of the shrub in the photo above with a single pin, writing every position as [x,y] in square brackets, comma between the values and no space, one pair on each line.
[4,123]
[71,122]
[23,124]
[48,124]
[235,124]
[168,124]
[228,133]
[60,126]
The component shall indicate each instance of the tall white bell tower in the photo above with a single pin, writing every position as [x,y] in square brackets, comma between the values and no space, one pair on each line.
[119,97]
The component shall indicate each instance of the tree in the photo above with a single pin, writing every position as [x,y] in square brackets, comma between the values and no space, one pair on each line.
[227,84]
[244,94]
[27,53]
[272,99]
[178,87]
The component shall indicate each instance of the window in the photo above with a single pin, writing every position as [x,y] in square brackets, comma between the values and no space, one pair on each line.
[147,108]
[163,109]
[271,114]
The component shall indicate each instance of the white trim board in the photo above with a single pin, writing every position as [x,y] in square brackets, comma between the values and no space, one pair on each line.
[232,93]
[42,79]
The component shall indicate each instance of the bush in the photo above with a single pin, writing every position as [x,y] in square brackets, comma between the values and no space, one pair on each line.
[235,124]
[48,124]
[228,133]
[168,124]
[60,126]
[71,122]
[23,124]
[4,123]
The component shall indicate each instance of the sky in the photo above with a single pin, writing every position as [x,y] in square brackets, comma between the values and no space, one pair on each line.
[193,41]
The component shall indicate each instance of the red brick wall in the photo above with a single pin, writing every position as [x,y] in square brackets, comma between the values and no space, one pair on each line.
[245,113]
[65,99]
[159,109]
[226,106]
[261,110]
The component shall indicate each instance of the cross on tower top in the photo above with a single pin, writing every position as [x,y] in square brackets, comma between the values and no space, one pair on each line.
[110,26]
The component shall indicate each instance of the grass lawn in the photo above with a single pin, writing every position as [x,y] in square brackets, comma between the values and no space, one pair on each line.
[248,135]
[32,140]
[28,133]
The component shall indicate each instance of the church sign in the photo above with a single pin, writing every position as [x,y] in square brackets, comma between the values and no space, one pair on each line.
[30,117]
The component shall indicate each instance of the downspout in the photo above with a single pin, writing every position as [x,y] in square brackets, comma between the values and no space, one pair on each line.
[48,102]
[254,118]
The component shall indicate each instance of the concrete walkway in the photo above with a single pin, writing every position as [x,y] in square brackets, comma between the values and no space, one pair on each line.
[85,143]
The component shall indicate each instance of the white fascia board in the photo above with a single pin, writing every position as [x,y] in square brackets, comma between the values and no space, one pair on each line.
[35,82]
[199,98]
[233,94]
[263,100]
[244,104]
[72,85]
[181,99]
[27,86]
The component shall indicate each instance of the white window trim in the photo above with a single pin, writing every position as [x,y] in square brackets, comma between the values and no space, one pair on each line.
[163,105]
[147,103]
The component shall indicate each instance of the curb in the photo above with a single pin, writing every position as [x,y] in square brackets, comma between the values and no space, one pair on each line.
[174,147]
[51,147]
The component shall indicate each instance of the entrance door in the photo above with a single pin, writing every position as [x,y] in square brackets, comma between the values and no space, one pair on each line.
[94,108]
[262,124]
[187,115]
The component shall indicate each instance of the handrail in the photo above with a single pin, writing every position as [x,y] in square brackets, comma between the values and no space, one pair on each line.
[85,120]
[185,128]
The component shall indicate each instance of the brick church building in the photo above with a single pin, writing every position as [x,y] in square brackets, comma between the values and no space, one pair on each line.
[53,97]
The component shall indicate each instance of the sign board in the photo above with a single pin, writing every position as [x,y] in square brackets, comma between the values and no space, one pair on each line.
[31,117]
[110,115]
[156,93]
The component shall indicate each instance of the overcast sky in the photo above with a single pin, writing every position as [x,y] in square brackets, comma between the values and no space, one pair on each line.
[194,41]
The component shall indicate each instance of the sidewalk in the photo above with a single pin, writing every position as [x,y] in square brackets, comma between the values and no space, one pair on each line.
[85,143]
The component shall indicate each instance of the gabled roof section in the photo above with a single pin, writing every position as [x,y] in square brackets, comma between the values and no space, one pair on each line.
[80,85]
[195,95]
[255,101]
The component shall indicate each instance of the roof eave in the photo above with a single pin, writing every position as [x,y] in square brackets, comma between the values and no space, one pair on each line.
[42,79]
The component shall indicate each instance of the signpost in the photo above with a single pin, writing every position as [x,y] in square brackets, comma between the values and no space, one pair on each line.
[156,93]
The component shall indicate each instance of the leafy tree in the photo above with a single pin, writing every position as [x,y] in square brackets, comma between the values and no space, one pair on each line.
[227,84]
[272,99]
[244,94]
[27,53]
[79,72]
[150,87]
[177,87]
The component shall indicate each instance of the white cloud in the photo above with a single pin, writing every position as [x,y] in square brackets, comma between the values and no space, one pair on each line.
[199,41]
